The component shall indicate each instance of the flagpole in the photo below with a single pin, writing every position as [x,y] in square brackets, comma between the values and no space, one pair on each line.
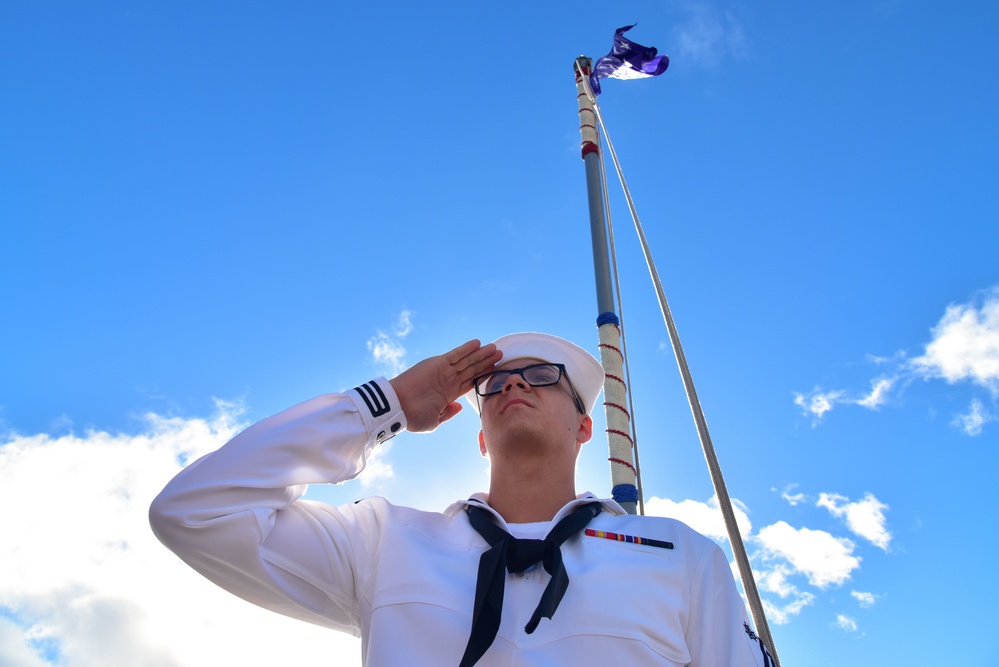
[630,60]
[620,446]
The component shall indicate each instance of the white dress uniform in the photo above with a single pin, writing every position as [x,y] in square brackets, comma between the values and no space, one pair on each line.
[404,580]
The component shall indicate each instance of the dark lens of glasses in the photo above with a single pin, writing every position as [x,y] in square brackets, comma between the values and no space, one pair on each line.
[538,375]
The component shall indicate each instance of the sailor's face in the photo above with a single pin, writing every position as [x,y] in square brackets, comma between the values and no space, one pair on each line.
[519,410]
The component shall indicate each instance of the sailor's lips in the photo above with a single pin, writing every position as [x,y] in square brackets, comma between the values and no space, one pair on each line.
[515,401]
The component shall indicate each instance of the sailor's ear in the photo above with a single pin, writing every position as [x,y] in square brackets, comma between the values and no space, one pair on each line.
[585,431]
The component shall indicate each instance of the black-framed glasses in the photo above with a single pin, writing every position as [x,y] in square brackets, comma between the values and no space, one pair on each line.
[536,375]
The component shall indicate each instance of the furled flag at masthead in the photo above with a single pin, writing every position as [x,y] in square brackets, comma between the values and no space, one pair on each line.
[627,60]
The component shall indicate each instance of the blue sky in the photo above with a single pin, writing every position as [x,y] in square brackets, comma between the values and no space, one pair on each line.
[213,212]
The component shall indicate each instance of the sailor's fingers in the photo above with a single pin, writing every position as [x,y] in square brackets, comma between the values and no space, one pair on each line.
[472,357]
[470,360]
[458,354]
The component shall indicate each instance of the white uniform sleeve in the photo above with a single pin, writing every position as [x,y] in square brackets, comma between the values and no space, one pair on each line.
[235,514]
[718,631]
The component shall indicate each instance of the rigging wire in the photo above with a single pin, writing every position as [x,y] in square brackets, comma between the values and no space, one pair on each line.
[714,468]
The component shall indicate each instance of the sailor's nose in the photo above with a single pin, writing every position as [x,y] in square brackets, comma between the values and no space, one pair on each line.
[516,380]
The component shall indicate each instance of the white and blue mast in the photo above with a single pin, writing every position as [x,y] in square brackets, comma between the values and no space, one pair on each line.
[622,454]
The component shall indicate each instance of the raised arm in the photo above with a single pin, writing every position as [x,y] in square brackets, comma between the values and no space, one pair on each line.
[235,515]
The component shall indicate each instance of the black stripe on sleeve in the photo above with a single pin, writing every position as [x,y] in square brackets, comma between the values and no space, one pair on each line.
[374,398]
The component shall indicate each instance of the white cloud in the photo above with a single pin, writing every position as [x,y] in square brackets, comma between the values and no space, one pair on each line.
[796,499]
[377,468]
[844,622]
[706,35]
[775,580]
[865,518]
[879,393]
[387,349]
[894,359]
[865,599]
[972,422]
[823,558]
[16,648]
[792,499]
[86,583]
[789,560]
[965,344]
[705,518]
[62,423]
[782,614]
[964,347]
[818,402]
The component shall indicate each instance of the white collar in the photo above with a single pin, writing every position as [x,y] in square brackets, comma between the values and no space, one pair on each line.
[482,500]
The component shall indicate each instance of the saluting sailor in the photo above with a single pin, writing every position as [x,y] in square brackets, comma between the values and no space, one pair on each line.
[528,574]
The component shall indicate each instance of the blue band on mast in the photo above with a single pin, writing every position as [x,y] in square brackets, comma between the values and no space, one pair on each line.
[625,493]
[607,318]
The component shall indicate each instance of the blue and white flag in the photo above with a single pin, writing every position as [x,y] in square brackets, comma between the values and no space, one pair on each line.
[627,60]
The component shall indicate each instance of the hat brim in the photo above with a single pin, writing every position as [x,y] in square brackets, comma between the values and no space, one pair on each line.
[584,371]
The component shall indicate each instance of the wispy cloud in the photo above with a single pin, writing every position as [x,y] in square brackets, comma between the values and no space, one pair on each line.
[387,349]
[85,581]
[792,499]
[792,600]
[976,417]
[844,622]
[964,347]
[706,36]
[878,394]
[389,353]
[377,468]
[818,402]
[864,599]
[865,518]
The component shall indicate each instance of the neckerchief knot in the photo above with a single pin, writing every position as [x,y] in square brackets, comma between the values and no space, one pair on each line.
[508,553]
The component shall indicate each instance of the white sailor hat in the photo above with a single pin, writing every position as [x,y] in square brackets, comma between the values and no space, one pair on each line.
[585,373]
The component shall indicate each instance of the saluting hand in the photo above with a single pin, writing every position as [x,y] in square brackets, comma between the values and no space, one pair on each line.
[429,390]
